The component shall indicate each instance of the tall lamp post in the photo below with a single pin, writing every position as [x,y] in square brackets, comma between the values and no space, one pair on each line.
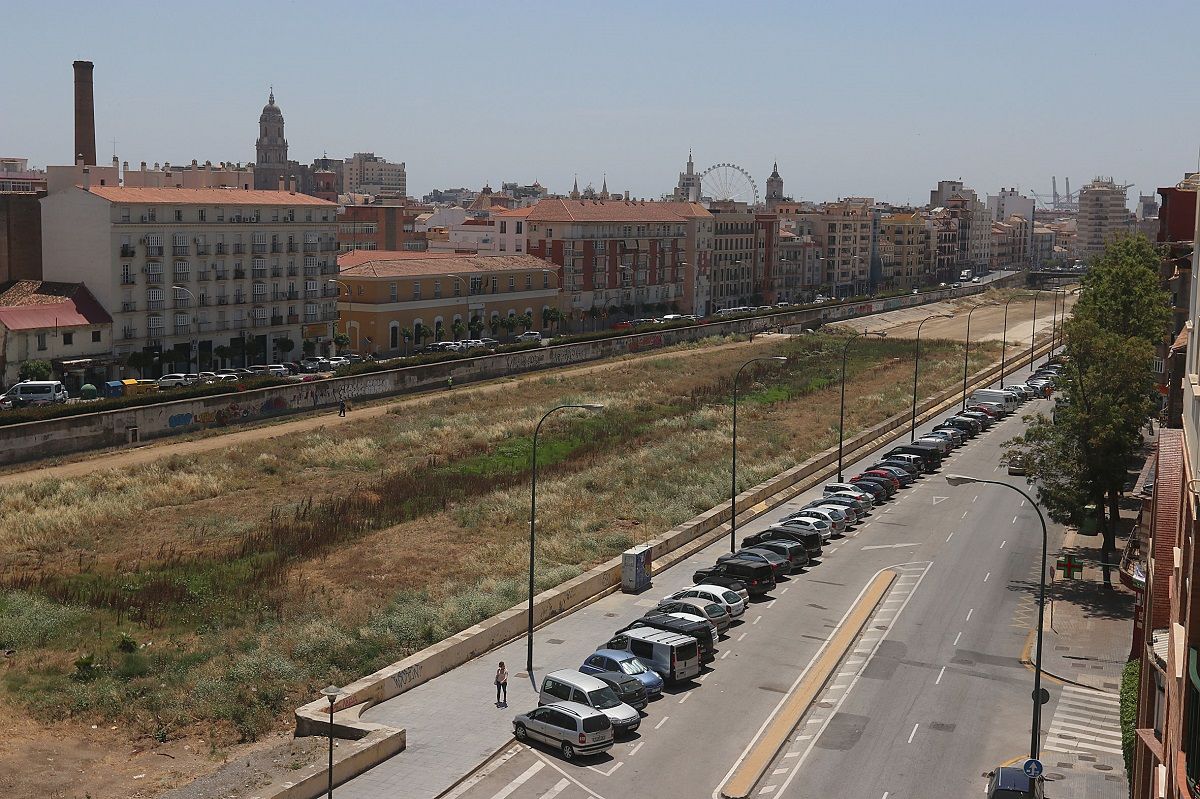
[912,436]
[842,407]
[1004,340]
[1033,331]
[733,470]
[1053,323]
[587,406]
[967,350]
[331,693]
[959,480]
[188,292]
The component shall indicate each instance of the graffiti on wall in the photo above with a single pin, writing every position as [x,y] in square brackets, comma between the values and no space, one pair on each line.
[649,342]
[233,412]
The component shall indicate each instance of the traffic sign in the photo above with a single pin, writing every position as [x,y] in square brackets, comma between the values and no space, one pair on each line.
[1070,565]
[1032,768]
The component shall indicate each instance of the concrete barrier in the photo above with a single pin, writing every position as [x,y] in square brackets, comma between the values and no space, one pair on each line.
[41,439]
[351,758]
[673,545]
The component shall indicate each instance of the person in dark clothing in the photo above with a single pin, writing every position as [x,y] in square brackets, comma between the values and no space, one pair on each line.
[341,407]
[501,686]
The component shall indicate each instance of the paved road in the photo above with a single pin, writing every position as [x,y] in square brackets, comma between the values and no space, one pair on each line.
[929,702]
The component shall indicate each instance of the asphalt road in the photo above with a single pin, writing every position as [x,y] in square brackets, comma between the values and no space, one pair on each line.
[931,696]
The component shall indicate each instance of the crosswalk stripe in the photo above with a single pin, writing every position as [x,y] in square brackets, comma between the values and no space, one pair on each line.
[1098,696]
[1072,746]
[1072,735]
[1113,731]
[1083,715]
[558,788]
[1075,732]
[519,780]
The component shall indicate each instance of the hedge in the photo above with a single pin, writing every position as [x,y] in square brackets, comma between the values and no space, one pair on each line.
[42,412]
[1131,681]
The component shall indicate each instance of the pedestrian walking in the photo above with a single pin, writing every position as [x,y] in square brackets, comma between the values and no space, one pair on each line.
[341,407]
[449,382]
[501,686]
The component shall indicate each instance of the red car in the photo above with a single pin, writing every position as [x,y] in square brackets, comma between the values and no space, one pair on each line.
[895,481]
[991,412]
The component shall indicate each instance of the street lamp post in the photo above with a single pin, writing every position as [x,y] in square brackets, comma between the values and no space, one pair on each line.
[331,693]
[1053,324]
[733,470]
[188,292]
[967,351]
[1004,340]
[842,406]
[1035,733]
[912,436]
[1033,331]
[458,279]
[587,406]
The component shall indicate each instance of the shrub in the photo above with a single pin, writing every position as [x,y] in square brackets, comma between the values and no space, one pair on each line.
[35,370]
[27,620]
[1131,680]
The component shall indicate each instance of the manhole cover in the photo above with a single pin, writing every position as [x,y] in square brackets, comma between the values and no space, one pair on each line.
[942,726]
[1052,776]
[611,615]
[1102,767]
[824,704]
[880,627]
[1065,765]
[1086,758]
[554,640]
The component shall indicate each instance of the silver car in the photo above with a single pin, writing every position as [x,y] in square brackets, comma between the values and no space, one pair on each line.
[570,727]
[714,612]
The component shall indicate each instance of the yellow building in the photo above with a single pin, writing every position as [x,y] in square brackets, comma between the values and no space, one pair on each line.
[387,295]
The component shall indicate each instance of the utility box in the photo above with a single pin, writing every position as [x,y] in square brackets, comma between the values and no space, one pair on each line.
[635,570]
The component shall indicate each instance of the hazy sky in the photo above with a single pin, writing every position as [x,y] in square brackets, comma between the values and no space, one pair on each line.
[852,98]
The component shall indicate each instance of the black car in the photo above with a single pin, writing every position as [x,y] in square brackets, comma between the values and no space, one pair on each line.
[889,488]
[630,689]
[794,551]
[873,488]
[969,427]
[702,631]
[779,564]
[758,577]
[931,455]
[809,538]
[726,581]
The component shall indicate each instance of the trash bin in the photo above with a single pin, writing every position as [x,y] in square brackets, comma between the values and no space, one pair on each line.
[635,569]
[87,391]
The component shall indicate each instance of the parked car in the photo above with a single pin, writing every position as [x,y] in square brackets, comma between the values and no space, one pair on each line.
[779,565]
[836,511]
[616,661]
[1010,782]
[836,526]
[571,728]
[984,419]
[568,685]
[278,370]
[885,475]
[713,612]
[903,475]
[757,577]
[1016,465]
[735,603]
[957,437]
[805,525]
[682,623]
[629,689]
[970,427]
[530,335]
[207,377]
[35,392]
[174,380]
[794,551]
[675,657]
[847,488]
[810,539]
[875,489]
[847,504]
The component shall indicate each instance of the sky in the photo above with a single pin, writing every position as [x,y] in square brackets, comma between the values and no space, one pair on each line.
[856,98]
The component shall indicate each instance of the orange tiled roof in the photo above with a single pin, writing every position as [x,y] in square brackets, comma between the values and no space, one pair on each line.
[517,212]
[172,196]
[381,264]
[560,210]
[37,304]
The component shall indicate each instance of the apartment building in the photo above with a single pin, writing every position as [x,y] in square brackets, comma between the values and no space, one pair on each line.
[367,173]
[845,231]
[392,295]
[745,249]
[379,226]
[798,271]
[904,251]
[56,322]
[1102,216]
[625,253]
[192,275]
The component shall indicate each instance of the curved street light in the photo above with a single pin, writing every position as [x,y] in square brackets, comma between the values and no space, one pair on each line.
[842,406]
[962,479]
[967,349]
[912,436]
[587,406]
[733,470]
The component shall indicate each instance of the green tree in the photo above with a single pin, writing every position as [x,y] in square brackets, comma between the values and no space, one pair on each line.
[475,326]
[138,361]
[525,321]
[341,341]
[36,369]
[1122,294]
[458,328]
[284,345]
[308,346]
[509,323]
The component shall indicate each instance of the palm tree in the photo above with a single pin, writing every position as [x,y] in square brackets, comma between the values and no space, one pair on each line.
[223,354]
[509,323]
[458,328]
[525,320]
[475,326]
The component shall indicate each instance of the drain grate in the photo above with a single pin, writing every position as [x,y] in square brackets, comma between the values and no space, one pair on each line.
[1102,767]
[1050,777]
[554,640]
[942,726]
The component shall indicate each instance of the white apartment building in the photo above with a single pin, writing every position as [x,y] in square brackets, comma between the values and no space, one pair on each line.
[366,173]
[1102,216]
[199,270]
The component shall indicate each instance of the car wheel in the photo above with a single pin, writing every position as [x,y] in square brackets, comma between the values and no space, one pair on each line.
[520,733]
[568,751]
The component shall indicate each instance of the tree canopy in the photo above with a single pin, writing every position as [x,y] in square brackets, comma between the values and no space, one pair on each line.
[1122,292]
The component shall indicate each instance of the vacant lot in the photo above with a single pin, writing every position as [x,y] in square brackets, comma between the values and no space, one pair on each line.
[203,597]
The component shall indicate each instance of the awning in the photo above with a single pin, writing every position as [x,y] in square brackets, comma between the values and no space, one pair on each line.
[81,363]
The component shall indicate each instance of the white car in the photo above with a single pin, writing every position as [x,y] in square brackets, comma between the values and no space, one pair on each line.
[836,521]
[847,488]
[732,601]
[530,335]
[278,369]
[175,380]
[806,524]
[338,360]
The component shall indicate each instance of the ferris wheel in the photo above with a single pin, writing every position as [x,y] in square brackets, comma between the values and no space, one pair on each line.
[729,182]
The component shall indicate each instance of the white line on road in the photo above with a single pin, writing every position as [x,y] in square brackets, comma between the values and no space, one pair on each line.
[986,576]
[912,734]
[938,681]
[703,677]
[1022,503]
[743,635]
[770,604]
[1002,543]
[558,788]
[783,590]
[1014,521]
[964,514]
[684,698]
[635,748]
[976,499]
[757,619]
[888,546]
[725,654]
[519,780]
[949,537]
[956,639]
[661,722]
[885,795]
[969,612]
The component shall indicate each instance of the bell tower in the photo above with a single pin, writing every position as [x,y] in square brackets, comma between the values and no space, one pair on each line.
[271,147]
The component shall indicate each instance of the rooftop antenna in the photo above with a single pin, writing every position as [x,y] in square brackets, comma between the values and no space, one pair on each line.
[114,141]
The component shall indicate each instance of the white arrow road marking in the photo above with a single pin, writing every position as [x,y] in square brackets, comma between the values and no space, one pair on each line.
[889,546]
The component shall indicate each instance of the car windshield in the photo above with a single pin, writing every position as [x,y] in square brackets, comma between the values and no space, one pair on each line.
[714,610]
[632,667]
[603,698]
[731,597]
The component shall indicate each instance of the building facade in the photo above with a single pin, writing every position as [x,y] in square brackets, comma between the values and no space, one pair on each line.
[745,247]
[61,323]
[398,300]
[1102,216]
[199,277]
[380,227]
[623,254]
[904,251]
[845,231]
[367,173]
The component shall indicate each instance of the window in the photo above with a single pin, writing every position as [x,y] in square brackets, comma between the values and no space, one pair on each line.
[503,226]
[519,226]
[642,649]
[1191,719]
[95,336]
[416,289]
[545,280]
[202,215]
[557,689]
[41,341]
[125,213]
[528,282]
[437,288]
[178,215]
[68,339]
[512,284]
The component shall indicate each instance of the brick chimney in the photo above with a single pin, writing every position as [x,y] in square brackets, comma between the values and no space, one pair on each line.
[85,114]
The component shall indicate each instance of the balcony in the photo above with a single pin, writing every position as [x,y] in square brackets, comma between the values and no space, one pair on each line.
[292,271]
[258,272]
[154,277]
[154,305]
[291,247]
[293,319]
[220,247]
[202,276]
[258,249]
[202,249]
[182,277]
[276,321]
[153,251]
[310,246]
[180,249]
[276,247]
[310,271]
[184,329]
[128,280]
[239,274]
[222,274]
[276,271]
[126,307]
[222,300]
[258,322]
[311,294]
[128,251]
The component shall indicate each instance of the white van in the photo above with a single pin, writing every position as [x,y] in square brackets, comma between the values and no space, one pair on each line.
[1002,398]
[672,656]
[568,685]
[35,392]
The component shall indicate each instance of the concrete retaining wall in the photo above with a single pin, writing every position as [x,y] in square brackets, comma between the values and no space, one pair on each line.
[701,530]
[32,440]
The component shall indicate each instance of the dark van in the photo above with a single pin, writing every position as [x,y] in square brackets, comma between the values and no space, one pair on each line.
[702,631]
[810,539]
[931,455]
[758,577]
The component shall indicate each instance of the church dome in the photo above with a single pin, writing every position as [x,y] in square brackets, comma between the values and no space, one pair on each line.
[270,110]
